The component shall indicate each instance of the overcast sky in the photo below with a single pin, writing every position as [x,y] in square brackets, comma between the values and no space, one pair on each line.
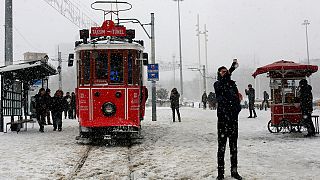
[264,30]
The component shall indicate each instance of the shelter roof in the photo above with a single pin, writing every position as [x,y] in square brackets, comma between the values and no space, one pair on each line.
[30,70]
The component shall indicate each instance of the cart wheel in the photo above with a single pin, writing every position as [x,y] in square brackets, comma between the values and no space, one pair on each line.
[301,127]
[286,126]
[273,128]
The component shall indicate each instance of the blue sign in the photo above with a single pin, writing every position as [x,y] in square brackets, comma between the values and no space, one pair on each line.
[153,72]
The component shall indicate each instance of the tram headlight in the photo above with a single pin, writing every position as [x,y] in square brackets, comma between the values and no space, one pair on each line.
[109,109]
[118,94]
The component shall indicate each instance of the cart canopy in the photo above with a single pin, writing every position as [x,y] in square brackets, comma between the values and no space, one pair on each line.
[286,69]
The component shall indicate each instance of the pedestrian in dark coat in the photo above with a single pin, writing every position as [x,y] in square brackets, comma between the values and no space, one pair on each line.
[41,108]
[67,98]
[228,110]
[204,100]
[58,106]
[265,102]
[48,97]
[306,99]
[210,100]
[250,92]
[174,99]
[73,106]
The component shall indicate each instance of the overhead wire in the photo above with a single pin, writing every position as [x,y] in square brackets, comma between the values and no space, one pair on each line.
[25,39]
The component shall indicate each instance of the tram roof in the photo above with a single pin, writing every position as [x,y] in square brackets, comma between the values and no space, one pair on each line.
[36,69]
[107,44]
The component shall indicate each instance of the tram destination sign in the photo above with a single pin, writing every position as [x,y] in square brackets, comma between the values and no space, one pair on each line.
[153,72]
[108,28]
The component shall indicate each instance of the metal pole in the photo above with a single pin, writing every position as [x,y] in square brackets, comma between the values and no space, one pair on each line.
[1,108]
[306,23]
[153,61]
[204,78]
[199,53]
[8,33]
[180,53]
[174,70]
[59,69]
[206,51]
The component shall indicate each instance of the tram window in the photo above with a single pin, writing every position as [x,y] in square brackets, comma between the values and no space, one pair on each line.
[130,66]
[86,67]
[101,66]
[116,66]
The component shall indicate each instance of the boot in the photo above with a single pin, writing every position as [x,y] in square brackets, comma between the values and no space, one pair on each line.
[220,177]
[220,173]
[235,174]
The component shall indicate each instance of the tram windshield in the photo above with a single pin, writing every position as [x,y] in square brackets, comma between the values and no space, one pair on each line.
[101,65]
[113,67]
[116,68]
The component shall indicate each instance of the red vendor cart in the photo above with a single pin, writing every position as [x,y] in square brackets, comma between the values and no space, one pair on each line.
[284,83]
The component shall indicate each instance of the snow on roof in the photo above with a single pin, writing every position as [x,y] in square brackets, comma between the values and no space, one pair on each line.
[30,64]
[14,67]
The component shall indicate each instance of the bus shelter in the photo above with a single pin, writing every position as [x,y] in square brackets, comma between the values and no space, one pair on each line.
[16,80]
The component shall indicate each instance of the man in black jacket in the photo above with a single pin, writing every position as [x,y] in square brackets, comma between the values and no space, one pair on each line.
[174,99]
[227,112]
[306,106]
[250,92]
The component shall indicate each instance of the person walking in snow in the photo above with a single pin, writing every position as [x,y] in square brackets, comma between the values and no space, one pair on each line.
[265,102]
[174,99]
[41,108]
[228,110]
[48,99]
[306,106]
[73,106]
[210,100]
[58,106]
[250,92]
[67,98]
[204,100]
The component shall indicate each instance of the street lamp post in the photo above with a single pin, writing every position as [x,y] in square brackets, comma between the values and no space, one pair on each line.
[306,23]
[180,53]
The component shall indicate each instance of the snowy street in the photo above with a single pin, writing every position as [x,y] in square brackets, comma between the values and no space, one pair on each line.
[185,150]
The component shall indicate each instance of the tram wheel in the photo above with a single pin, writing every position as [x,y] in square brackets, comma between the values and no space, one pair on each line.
[286,126]
[273,128]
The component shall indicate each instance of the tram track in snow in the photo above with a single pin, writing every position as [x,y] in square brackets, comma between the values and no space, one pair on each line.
[80,162]
[88,152]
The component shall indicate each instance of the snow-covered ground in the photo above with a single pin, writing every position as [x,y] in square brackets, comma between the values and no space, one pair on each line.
[185,150]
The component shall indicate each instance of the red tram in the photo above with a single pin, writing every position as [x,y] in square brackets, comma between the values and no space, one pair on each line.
[284,84]
[110,92]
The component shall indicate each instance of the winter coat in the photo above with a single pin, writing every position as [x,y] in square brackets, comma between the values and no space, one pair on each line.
[41,103]
[174,99]
[306,99]
[67,98]
[204,97]
[265,96]
[251,95]
[211,97]
[227,96]
[49,101]
[58,104]
[73,101]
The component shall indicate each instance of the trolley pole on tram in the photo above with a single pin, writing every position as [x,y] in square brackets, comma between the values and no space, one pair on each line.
[153,61]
